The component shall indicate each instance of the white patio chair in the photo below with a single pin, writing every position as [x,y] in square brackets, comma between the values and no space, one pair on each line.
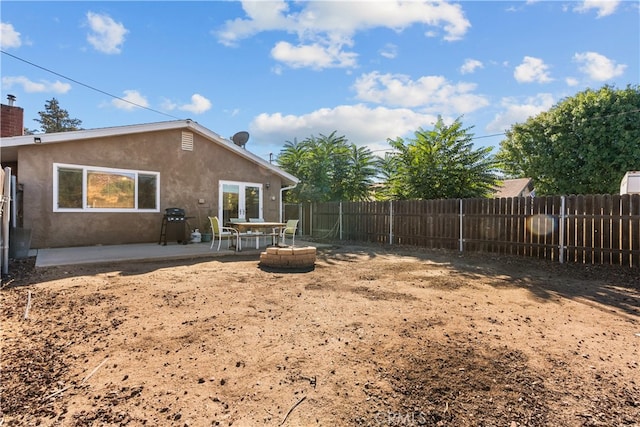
[290,230]
[220,232]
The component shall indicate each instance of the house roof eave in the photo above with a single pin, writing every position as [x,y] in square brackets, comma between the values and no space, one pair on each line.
[10,145]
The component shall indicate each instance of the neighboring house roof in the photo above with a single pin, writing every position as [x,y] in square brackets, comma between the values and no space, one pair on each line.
[9,146]
[514,188]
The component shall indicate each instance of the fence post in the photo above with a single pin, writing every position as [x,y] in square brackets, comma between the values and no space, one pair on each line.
[391,222]
[311,218]
[561,228]
[301,219]
[461,243]
[340,220]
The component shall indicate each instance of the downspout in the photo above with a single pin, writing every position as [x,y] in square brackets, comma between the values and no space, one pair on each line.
[282,190]
[5,207]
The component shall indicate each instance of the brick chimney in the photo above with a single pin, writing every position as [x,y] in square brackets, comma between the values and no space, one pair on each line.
[11,119]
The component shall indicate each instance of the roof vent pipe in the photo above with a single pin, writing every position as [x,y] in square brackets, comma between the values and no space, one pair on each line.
[11,99]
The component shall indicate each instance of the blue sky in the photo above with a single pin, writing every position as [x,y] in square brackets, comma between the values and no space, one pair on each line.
[370,70]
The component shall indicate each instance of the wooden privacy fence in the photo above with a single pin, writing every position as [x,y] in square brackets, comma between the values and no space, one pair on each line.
[594,229]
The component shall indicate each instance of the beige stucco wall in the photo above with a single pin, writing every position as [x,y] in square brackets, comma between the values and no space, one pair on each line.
[185,177]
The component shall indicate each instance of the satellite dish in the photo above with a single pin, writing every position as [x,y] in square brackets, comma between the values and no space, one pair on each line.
[240,138]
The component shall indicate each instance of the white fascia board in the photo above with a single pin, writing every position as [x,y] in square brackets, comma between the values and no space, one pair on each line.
[50,138]
[47,138]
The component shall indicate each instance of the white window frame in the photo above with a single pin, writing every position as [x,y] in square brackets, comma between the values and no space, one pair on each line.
[88,208]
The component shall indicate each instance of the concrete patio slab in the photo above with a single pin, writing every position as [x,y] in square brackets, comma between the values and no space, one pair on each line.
[134,252]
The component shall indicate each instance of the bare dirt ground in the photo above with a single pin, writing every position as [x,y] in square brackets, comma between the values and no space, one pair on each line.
[370,337]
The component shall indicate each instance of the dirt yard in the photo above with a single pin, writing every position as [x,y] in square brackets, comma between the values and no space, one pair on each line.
[370,337]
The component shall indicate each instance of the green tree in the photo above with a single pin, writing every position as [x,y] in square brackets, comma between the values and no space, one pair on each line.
[291,157]
[55,119]
[361,171]
[329,169]
[384,189]
[582,145]
[441,164]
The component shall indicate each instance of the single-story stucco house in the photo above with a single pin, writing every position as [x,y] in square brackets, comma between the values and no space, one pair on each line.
[112,185]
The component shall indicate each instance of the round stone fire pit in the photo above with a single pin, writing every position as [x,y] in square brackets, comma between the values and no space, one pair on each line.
[289,258]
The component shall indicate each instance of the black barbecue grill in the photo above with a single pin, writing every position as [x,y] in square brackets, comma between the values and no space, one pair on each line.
[174,214]
[177,217]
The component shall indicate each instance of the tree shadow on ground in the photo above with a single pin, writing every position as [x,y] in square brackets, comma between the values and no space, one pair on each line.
[615,287]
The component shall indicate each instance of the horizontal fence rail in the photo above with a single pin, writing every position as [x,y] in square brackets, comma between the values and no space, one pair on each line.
[590,229]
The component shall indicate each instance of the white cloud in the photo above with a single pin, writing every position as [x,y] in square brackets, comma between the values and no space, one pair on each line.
[344,18]
[360,124]
[199,104]
[604,7]
[389,51]
[9,37]
[514,112]
[348,17]
[325,28]
[261,16]
[470,66]
[598,67]
[277,69]
[312,56]
[168,105]
[131,99]
[431,93]
[107,36]
[572,81]
[42,86]
[532,70]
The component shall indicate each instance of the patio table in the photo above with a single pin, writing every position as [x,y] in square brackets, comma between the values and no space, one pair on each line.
[245,229]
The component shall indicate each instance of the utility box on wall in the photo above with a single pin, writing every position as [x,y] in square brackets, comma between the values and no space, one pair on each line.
[630,183]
